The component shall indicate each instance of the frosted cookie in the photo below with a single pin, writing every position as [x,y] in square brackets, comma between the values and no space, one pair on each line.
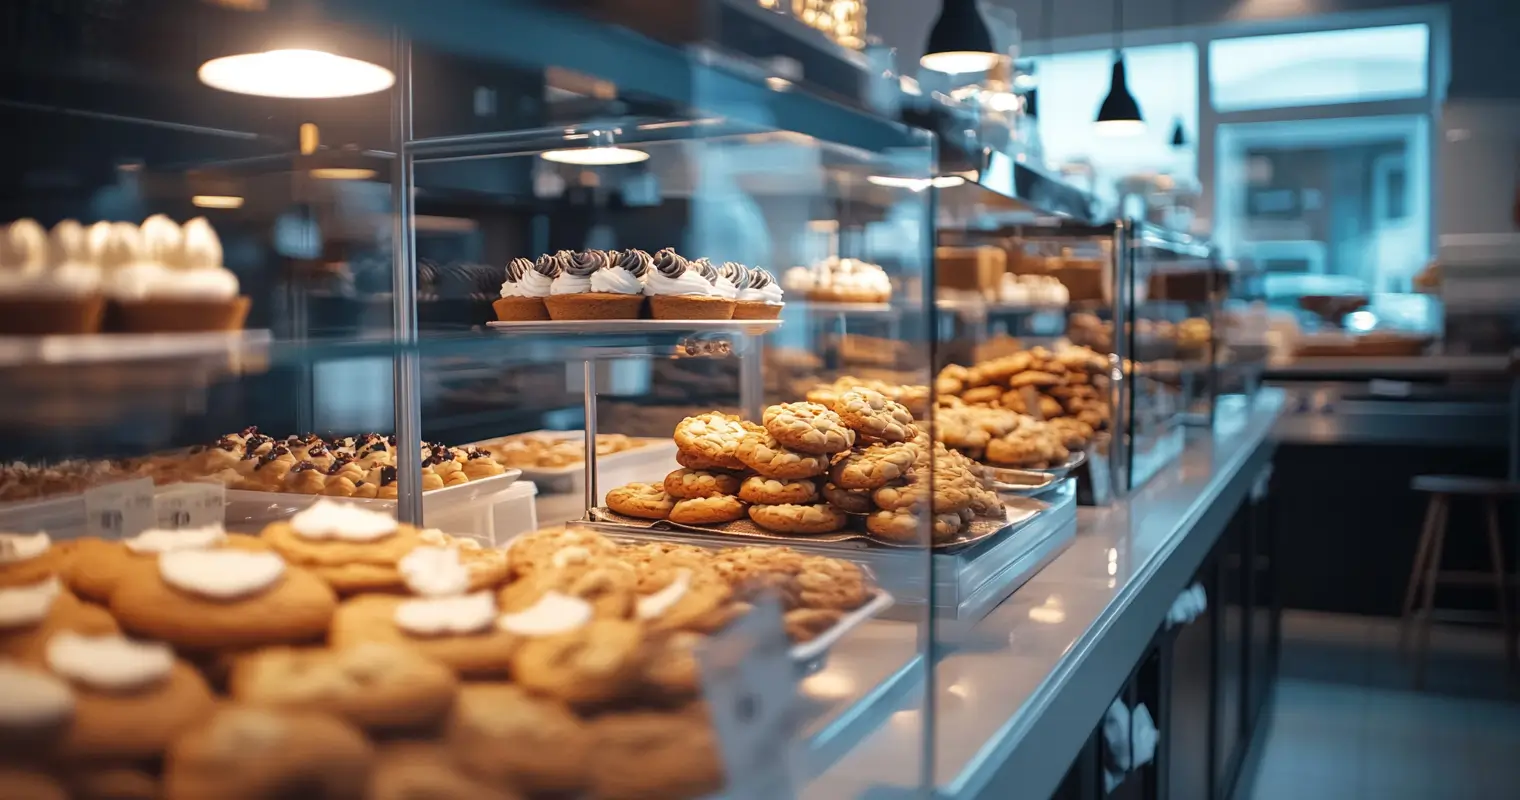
[808,428]
[870,413]
[216,599]
[423,770]
[243,753]
[642,500]
[32,615]
[762,453]
[502,735]
[649,754]
[850,501]
[97,565]
[595,664]
[686,484]
[714,437]
[771,491]
[353,549]
[376,686]
[707,510]
[682,599]
[872,467]
[28,558]
[801,519]
[457,632]
[36,708]
[131,699]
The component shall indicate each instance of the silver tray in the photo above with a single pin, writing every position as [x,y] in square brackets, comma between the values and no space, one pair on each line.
[810,655]
[1011,475]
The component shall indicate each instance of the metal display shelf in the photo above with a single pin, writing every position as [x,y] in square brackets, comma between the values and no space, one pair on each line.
[110,348]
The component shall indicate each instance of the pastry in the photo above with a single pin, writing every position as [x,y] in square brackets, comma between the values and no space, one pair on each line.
[18,783]
[26,559]
[677,291]
[640,500]
[596,284]
[693,460]
[906,526]
[808,428]
[458,632]
[553,548]
[762,453]
[593,665]
[645,755]
[759,295]
[215,599]
[771,491]
[850,501]
[243,753]
[802,519]
[427,771]
[831,583]
[48,287]
[174,282]
[840,280]
[871,414]
[695,599]
[520,299]
[714,438]
[31,616]
[112,782]
[686,484]
[36,709]
[872,467]
[376,686]
[131,699]
[502,735]
[707,510]
[609,585]
[351,548]
[948,497]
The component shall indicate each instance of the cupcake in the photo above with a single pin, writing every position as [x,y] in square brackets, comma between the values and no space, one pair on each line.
[48,285]
[165,279]
[575,293]
[759,296]
[677,291]
[516,303]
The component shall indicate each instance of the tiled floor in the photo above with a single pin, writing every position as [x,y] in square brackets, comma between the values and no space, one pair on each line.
[1349,725]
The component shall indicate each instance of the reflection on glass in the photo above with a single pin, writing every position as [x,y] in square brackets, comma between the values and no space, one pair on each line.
[1304,69]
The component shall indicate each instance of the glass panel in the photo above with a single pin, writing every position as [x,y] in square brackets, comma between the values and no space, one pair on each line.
[1310,69]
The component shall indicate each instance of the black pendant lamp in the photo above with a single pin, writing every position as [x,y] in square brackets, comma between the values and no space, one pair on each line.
[959,41]
[1120,114]
[1179,136]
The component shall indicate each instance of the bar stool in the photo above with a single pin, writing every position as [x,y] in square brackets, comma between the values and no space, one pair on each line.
[1427,572]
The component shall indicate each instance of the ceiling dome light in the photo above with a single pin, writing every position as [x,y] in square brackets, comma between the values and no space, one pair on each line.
[297,74]
[1120,114]
[959,41]
[595,156]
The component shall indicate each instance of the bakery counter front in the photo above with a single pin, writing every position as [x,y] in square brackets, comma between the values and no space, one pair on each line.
[1154,615]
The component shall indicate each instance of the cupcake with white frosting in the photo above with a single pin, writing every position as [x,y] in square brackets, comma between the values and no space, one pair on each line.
[168,279]
[759,297]
[676,290]
[48,284]
[517,304]
[597,284]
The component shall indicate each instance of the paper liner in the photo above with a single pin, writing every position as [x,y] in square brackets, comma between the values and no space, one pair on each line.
[690,306]
[594,305]
[180,316]
[751,309]
[518,309]
[39,316]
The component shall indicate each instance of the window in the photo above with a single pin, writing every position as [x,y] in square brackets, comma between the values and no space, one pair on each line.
[1320,68]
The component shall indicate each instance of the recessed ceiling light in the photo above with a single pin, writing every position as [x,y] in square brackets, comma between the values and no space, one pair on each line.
[300,74]
[216,201]
[595,156]
[916,184]
[342,173]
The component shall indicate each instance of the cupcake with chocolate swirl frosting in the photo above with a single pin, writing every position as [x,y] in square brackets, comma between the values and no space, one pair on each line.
[520,299]
[759,296]
[677,290]
[594,285]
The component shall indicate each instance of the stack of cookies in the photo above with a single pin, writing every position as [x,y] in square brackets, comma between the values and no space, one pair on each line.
[1007,438]
[1070,383]
[808,467]
[345,656]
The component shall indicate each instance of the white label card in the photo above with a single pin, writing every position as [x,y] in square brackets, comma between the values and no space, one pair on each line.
[750,684]
[118,510]
[191,505]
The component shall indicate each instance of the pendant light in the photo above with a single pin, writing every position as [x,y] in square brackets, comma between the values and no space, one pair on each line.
[602,152]
[297,65]
[1120,114]
[1179,136]
[959,41]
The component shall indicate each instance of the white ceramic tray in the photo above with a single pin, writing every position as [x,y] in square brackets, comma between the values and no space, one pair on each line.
[245,506]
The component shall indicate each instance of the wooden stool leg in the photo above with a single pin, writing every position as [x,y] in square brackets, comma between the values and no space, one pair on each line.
[1421,554]
[1427,600]
[1501,583]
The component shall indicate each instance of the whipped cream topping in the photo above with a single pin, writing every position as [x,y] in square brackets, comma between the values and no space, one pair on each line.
[159,540]
[23,546]
[31,698]
[843,274]
[553,613]
[654,605]
[24,606]
[325,520]
[32,264]
[725,288]
[164,241]
[24,247]
[434,572]
[759,287]
[516,269]
[673,274]
[109,663]
[161,259]
[221,574]
[617,280]
[568,283]
[535,284]
[439,616]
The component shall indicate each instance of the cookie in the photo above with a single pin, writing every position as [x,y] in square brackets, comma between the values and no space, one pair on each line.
[609,585]
[808,428]
[693,460]
[647,755]
[714,437]
[33,615]
[376,686]
[800,519]
[594,665]
[986,504]
[982,395]
[948,497]
[642,500]
[831,583]
[771,491]
[1033,378]
[687,484]
[850,501]
[670,671]
[95,566]
[421,770]
[555,548]
[707,510]
[484,653]
[17,783]
[354,550]
[907,526]
[36,708]
[224,599]
[870,413]
[762,453]
[872,467]
[243,753]
[108,782]
[807,624]
[504,736]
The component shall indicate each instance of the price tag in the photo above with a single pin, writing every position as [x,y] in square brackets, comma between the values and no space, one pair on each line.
[118,510]
[191,505]
[750,685]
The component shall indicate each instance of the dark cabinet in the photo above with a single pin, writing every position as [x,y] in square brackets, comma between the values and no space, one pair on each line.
[1187,749]
[1230,626]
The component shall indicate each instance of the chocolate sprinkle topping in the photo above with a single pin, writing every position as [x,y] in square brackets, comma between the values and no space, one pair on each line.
[635,261]
[584,263]
[736,273]
[705,269]
[549,266]
[516,268]
[670,263]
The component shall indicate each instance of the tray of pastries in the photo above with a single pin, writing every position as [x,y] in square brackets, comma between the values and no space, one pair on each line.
[859,471]
[1069,383]
[557,453]
[342,649]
